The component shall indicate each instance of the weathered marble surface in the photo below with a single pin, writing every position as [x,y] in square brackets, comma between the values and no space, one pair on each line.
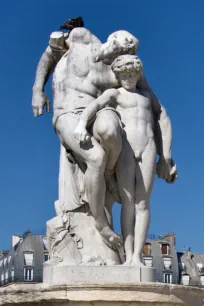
[61,274]
[112,156]
[97,295]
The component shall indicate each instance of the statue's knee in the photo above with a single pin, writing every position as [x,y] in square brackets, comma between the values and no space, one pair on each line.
[108,131]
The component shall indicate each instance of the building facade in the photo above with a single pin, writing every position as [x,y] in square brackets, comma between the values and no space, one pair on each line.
[160,253]
[24,262]
[191,266]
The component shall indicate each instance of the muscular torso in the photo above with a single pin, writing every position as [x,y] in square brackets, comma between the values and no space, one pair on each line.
[136,114]
[78,79]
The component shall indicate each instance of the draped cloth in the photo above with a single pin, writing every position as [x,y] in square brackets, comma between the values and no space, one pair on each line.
[71,184]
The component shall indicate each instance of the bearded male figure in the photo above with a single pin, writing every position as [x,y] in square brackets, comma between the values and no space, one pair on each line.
[81,74]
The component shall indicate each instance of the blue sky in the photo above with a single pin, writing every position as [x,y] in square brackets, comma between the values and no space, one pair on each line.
[172,50]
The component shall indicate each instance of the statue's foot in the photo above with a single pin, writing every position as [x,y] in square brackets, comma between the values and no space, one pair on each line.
[128,262]
[136,261]
[110,238]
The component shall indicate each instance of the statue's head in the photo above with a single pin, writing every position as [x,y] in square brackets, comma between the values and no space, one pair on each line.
[118,43]
[73,23]
[127,69]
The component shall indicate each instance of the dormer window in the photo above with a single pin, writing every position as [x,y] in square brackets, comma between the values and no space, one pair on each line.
[185,279]
[200,267]
[28,258]
[202,280]
[147,249]
[165,249]
[45,243]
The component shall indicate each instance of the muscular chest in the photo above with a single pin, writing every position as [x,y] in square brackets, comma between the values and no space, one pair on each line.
[129,100]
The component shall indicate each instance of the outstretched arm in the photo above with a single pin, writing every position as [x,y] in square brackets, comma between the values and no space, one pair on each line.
[109,97]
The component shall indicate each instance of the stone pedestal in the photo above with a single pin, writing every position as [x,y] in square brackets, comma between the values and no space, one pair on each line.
[58,275]
[101,295]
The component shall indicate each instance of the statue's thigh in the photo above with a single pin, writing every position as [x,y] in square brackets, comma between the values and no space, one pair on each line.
[125,172]
[145,173]
[90,151]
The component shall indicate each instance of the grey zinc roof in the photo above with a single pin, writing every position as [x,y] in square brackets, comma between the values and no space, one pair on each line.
[190,261]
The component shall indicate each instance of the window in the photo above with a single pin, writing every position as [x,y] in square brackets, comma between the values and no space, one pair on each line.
[45,243]
[168,278]
[28,274]
[2,276]
[200,267]
[46,257]
[6,274]
[165,249]
[9,259]
[5,261]
[12,273]
[1,262]
[148,261]
[28,257]
[202,280]
[185,279]
[167,263]
[147,249]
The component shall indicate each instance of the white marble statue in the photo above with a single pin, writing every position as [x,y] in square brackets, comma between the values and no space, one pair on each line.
[137,162]
[82,73]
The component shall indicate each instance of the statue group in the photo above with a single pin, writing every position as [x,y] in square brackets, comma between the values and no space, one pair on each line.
[111,127]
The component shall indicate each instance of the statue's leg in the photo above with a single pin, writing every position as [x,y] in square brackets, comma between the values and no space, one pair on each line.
[94,156]
[145,172]
[107,130]
[125,171]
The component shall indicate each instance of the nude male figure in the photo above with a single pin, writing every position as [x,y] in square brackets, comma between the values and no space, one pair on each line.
[78,80]
[137,161]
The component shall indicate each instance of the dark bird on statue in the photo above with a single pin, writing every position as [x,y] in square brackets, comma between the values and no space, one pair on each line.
[70,24]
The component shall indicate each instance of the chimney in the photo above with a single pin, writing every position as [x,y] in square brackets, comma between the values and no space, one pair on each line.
[189,253]
[171,238]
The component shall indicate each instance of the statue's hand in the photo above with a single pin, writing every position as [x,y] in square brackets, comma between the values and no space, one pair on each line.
[173,173]
[81,133]
[39,101]
[166,169]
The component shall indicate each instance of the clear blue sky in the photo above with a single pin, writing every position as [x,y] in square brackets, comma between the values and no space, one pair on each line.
[172,50]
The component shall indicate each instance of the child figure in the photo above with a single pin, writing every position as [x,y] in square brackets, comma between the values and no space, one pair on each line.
[135,168]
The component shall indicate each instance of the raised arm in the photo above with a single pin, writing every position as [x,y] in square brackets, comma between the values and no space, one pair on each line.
[45,67]
[109,97]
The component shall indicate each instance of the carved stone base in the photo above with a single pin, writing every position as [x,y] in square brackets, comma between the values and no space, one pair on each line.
[77,241]
[146,294]
[97,275]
